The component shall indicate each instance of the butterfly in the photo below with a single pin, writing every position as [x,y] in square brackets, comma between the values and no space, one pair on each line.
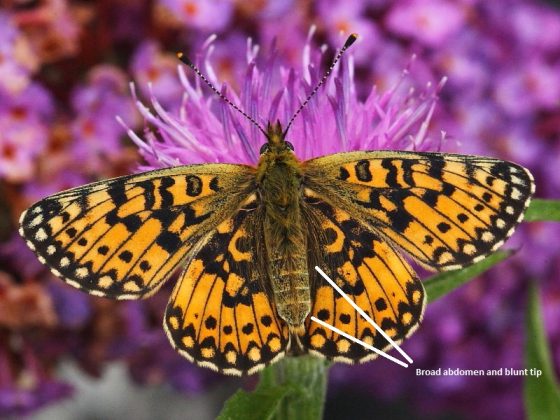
[249,236]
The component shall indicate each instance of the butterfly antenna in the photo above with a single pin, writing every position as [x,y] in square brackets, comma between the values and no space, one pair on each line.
[349,41]
[184,59]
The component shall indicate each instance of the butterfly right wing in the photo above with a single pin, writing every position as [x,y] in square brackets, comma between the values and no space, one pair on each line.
[445,210]
[220,314]
[124,237]
[371,272]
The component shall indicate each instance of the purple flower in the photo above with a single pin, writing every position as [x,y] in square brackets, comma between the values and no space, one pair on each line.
[17,61]
[267,9]
[429,21]
[155,73]
[535,85]
[207,15]
[206,129]
[344,18]
[51,27]
[535,27]
[23,131]
[25,381]
[97,136]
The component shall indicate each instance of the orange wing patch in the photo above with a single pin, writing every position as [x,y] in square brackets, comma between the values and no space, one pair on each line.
[122,238]
[371,273]
[219,314]
[445,210]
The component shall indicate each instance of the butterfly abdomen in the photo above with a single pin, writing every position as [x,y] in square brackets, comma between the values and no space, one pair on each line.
[285,240]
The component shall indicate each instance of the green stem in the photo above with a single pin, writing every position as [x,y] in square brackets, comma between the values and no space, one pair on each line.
[307,374]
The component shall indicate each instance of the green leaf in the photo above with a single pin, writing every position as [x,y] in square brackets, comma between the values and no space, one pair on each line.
[443,283]
[543,210]
[259,404]
[542,393]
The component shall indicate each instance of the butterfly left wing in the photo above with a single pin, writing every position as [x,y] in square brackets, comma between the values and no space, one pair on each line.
[124,237]
[370,271]
[444,210]
[220,314]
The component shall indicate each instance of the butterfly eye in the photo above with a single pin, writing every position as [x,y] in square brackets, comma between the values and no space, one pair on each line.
[264,149]
[289,145]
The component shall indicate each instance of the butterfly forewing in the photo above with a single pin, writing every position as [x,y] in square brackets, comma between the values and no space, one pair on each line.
[219,314]
[123,237]
[445,210]
[370,271]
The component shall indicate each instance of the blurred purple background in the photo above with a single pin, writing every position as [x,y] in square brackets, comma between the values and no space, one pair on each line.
[65,68]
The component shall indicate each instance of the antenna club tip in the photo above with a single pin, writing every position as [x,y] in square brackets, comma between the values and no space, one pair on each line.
[181,56]
[351,39]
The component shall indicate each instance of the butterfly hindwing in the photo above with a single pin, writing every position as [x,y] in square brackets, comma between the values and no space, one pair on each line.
[219,314]
[370,271]
[445,210]
[123,237]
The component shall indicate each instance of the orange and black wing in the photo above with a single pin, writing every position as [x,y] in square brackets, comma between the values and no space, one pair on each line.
[445,210]
[123,237]
[220,315]
[371,272]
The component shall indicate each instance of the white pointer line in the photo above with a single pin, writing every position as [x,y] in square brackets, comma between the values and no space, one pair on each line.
[354,339]
[364,315]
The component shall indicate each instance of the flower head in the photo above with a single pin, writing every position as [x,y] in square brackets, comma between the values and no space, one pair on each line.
[207,129]
[17,62]
[23,131]
[209,15]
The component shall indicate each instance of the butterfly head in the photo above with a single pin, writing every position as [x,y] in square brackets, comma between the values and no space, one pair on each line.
[276,140]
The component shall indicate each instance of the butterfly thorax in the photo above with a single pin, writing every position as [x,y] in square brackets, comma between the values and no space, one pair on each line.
[279,178]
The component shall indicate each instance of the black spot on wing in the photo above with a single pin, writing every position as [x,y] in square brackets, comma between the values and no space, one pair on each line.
[214,184]
[166,197]
[247,328]
[380,304]
[363,172]
[145,266]
[501,170]
[194,185]
[400,219]
[443,227]
[210,323]
[430,197]
[344,318]
[323,314]
[65,216]
[344,174]
[391,177]
[169,241]
[408,171]
[148,193]
[125,256]
[447,189]
[437,163]
[164,216]
[132,222]
[117,193]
